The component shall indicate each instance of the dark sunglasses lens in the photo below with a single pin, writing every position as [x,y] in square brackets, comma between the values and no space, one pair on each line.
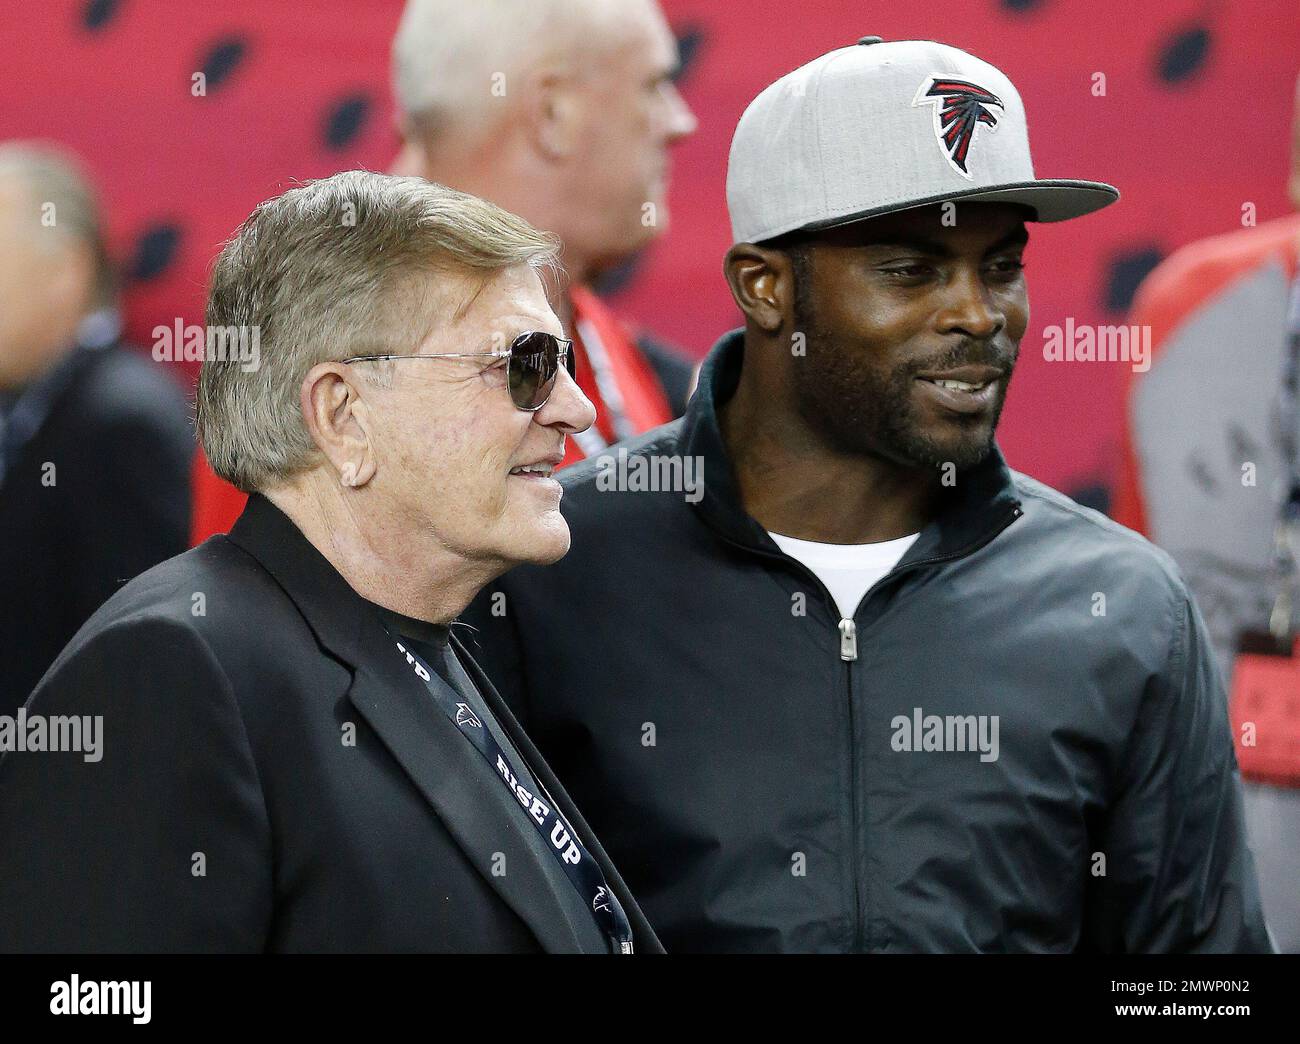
[534,364]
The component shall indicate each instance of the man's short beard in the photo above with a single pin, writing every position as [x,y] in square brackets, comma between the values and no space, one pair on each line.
[878,418]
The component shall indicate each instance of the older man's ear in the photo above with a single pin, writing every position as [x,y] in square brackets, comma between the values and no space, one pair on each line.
[339,423]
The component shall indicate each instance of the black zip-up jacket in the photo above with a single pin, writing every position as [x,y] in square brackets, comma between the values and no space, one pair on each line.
[744,752]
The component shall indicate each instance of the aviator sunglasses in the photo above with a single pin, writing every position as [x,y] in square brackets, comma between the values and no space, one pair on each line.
[534,363]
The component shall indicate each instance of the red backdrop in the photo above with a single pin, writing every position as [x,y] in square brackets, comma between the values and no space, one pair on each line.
[1194,124]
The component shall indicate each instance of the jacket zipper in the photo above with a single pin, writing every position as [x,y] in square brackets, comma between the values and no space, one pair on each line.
[849,653]
[848,640]
[848,632]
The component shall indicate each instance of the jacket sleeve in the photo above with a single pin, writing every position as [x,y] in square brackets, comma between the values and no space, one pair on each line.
[1178,875]
[493,640]
[156,841]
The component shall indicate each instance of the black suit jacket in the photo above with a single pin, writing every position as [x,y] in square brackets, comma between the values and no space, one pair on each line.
[96,495]
[232,810]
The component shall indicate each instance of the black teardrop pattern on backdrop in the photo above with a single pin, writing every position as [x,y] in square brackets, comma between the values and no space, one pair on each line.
[222,58]
[689,43]
[345,119]
[1127,271]
[96,14]
[154,252]
[1182,56]
[1021,6]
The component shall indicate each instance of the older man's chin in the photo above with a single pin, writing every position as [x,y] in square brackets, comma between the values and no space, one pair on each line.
[545,541]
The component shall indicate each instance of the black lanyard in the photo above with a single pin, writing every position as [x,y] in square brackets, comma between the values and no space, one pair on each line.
[558,838]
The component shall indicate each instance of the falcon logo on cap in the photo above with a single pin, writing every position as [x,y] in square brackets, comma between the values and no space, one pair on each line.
[959,106]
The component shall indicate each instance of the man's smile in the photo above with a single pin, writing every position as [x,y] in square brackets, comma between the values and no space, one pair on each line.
[964,389]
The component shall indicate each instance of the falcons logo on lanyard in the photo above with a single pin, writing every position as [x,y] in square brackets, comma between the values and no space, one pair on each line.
[959,106]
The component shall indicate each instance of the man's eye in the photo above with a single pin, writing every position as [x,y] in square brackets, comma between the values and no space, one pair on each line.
[908,271]
[495,369]
[1008,267]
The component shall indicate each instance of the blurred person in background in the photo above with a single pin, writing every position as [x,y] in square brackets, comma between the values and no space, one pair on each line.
[1205,470]
[95,440]
[564,112]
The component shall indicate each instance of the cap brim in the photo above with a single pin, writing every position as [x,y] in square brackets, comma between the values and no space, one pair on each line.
[1051,200]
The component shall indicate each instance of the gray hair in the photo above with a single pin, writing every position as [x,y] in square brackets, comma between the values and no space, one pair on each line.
[449,56]
[326,271]
[53,176]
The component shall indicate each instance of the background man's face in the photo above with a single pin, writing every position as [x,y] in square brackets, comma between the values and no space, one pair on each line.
[633,115]
[449,435]
[38,292]
[893,306]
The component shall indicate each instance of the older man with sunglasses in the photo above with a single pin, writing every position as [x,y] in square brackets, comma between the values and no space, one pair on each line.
[289,750]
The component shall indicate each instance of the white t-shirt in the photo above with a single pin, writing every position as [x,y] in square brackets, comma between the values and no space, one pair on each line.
[847,570]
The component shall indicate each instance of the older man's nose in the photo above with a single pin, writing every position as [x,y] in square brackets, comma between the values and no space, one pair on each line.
[567,408]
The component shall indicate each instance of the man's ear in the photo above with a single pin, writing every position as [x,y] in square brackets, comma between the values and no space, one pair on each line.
[762,284]
[411,160]
[553,109]
[338,421]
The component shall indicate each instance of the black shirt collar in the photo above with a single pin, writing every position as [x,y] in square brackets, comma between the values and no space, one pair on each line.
[430,634]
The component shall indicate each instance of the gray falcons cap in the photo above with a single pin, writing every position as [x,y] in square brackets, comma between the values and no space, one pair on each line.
[880,127]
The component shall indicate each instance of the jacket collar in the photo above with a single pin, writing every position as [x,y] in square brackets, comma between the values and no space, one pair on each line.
[452,776]
[980,505]
[341,619]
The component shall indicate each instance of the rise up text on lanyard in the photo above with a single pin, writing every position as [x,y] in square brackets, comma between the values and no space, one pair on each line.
[560,839]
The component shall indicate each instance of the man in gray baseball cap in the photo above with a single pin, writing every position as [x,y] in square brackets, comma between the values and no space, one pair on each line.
[882,127]
[829,676]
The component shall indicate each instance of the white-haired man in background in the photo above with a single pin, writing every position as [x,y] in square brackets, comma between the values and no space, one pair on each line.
[562,111]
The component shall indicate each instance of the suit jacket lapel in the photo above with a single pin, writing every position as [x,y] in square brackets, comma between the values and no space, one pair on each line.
[456,781]
[462,787]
